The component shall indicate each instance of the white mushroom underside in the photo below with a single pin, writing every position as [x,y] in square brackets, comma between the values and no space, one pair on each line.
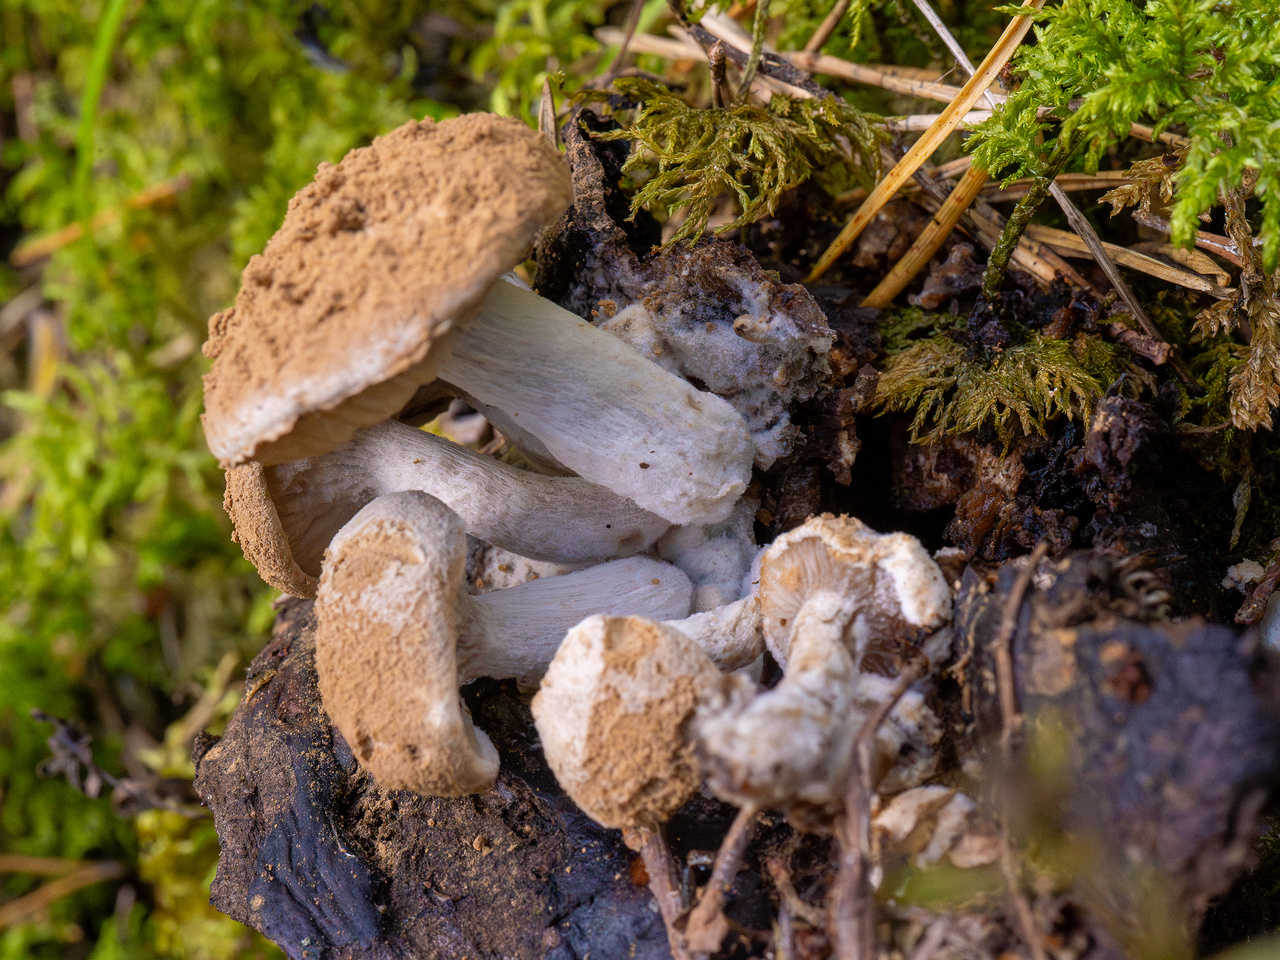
[603,410]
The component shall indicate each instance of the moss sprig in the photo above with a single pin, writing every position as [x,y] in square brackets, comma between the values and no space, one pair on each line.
[690,157]
[1019,389]
[1208,68]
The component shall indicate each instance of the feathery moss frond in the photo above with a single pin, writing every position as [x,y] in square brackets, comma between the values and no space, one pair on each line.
[1211,68]
[1020,388]
[689,157]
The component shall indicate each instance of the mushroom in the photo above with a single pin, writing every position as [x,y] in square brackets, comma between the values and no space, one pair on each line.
[286,515]
[397,634]
[384,277]
[792,744]
[899,589]
[827,590]
[612,714]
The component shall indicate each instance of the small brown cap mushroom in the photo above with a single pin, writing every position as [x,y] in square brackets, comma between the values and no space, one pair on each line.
[335,325]
[612,714]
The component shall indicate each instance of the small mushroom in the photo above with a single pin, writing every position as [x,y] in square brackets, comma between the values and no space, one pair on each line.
[827,590]
[792,744]
[612,714]
[286,515]
[397,634]
[900,591]
[385,276]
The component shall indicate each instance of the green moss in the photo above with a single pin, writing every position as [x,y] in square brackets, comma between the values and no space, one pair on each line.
[1020,388]
[689,157]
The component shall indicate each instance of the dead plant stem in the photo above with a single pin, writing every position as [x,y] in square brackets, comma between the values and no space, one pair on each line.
[661,868]
[1010,718]
[930,141]
[828,26]
[707,924]
[1084,229]
[758,26]
[851,908]
[930,239]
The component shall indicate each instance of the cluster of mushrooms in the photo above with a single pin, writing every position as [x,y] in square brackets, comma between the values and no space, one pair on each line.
[387,292]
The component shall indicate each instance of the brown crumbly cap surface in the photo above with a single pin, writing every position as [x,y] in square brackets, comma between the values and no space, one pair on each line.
[377,257]
[385,658]
[640,765]
[258,531]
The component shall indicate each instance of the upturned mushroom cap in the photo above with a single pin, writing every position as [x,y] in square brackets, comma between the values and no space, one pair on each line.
[612,716]
[286,515]
[898,588]
[346,311]
[386,648]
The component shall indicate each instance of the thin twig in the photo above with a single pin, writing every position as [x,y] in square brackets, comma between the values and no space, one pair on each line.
[48,866]
[790,898]
[707,925]
[720,94]
[850,906]
[633,21]
[952,44]
[757,47]
[1102,180]
[1011,724]
[932,939]
[932,139]
[1205,241]
[1010,718]
[30,251]
[1072,246]
[828,26]
[663,884]
[1021,908]
[43,896]
[1091,239]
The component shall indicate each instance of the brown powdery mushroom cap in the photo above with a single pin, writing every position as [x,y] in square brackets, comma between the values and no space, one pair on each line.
[386,649]
[612,715]
[898,589]
[340,318]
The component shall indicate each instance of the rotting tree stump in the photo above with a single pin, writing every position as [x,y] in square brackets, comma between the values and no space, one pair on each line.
[1168,733]
[327,864]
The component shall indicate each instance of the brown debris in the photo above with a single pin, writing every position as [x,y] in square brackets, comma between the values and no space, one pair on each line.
[958,274]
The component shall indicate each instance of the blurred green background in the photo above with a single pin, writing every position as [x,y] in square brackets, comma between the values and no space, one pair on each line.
[147,149]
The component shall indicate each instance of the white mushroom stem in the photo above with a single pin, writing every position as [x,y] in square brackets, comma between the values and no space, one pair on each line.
[397,634]
[562,519]
[602,409]
[790,744]
[516,632]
